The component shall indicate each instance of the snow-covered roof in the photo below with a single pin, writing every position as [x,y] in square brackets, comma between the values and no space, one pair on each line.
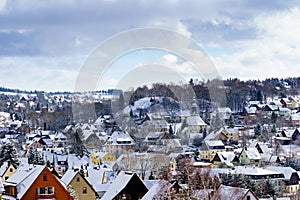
[288,132]
[76,162]
[232,130]
[60,136]
[3,168]
[253,171]
[213,143]
[230,193]
[251,110]
[213,135]
[120,138]
[295,116]
[195,120]
[287,171]
[153,136]
[68,176]
[24,177]
[95,176]
[156,190]
[264,148]
[252,153]
[226,156]
[118,185]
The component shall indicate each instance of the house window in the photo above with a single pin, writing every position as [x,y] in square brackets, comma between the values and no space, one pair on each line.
[78,179]
[44,177]
[11,170]
[248,197]
[84,190]
[6,177]
[45,190]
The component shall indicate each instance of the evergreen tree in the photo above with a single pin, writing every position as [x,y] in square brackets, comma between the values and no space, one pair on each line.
[270,189]
[273,117]
[48,164]
[231,122]
[259,96]
[35,158]
[151,177]
[216,122]
[204,134]
[171,130]
[131,113]
[81,171]
[257,129]
[265,135]
[121,101]
[184,124]
[273,130]
[30,156]
[207,117]
[77,146]
[9,153]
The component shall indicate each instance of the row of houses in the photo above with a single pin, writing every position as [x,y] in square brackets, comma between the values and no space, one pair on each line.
[39,182]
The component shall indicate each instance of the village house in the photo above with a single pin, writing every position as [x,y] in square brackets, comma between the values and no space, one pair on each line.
[100,179]
[6,170]
[259,175]
[34,182]
[232,134]
[225,159]
[295,119]
[127,185]
[291,178]
[290,103]
[77,181]
[209,148]
[250,156]
[119,143]
[234,193]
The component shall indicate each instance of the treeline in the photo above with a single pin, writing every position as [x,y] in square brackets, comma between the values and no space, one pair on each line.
[236,93]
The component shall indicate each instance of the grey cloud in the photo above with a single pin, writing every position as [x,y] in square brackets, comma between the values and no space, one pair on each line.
[56,25]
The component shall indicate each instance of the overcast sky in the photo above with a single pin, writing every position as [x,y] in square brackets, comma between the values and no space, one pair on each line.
[44,43]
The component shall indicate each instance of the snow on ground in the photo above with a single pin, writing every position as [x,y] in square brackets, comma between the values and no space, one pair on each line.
[145,104]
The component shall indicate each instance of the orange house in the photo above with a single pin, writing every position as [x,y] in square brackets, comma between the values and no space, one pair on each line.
[35,182]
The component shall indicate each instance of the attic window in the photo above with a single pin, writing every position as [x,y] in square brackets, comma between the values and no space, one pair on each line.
[78,179]
[44,177]
[11,169]
[84,190]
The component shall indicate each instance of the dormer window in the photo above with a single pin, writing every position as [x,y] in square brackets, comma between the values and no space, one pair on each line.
[44,177]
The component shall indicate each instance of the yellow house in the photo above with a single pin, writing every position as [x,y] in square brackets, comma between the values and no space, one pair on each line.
[172,166]
[94,159]
[80,185]
[6,170]
[210,148]
[108,157]
[231,133]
